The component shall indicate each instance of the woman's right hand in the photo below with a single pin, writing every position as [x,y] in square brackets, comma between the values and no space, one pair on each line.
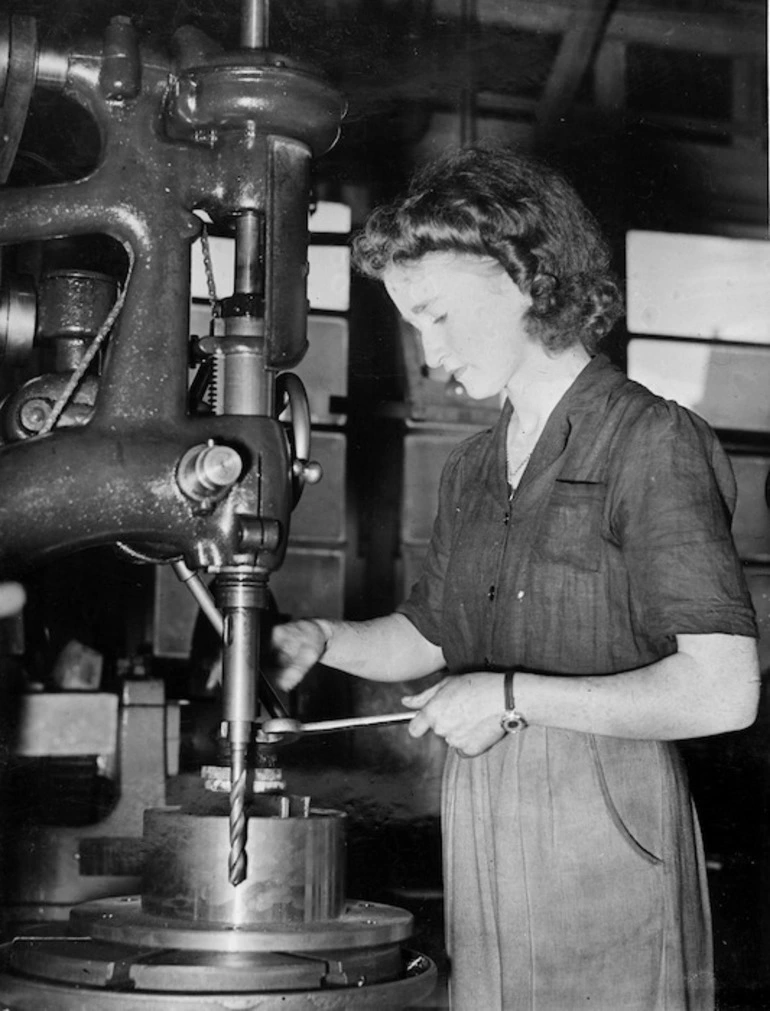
[297,646]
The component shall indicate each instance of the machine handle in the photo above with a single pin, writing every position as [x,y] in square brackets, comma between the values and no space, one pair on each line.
[291,393]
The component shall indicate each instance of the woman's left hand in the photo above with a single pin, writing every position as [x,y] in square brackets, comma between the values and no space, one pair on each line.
[464,709]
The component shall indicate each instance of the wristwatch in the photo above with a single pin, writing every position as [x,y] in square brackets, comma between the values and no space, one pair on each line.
[512,720]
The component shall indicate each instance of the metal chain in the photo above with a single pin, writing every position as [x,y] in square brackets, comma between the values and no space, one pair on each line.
[213,394]
[209,268]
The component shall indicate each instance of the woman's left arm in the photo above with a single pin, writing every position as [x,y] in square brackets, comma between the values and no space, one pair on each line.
[709,686]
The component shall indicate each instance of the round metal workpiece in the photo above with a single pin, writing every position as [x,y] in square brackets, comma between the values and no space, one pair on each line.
[122,921]
[216,779]
[295,866]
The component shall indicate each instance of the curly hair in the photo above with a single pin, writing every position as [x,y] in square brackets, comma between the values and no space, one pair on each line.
[493,202]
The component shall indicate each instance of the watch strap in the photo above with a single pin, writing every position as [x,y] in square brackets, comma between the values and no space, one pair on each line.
[512,720]
[510,700]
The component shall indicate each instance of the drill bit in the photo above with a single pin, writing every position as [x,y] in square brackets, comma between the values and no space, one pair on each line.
[240,595]
[237,858]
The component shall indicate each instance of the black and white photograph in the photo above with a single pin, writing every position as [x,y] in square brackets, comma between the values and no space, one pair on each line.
[384,505]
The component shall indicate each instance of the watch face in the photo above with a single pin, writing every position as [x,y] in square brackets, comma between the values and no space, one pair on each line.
[513,721]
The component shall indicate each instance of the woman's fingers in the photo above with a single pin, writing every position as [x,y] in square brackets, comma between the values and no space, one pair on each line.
[422,723]
[420,699]
[297,646]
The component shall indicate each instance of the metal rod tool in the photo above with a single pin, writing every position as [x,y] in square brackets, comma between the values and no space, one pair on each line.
[287,726]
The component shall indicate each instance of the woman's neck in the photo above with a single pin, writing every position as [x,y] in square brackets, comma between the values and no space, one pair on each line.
[539,384]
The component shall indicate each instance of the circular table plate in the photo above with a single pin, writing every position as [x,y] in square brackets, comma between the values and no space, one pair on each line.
[122,920]
[58,956]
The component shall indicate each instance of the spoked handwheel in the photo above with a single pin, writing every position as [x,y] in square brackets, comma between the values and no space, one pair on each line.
[18,62]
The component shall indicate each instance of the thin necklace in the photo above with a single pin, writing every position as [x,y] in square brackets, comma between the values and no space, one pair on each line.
[512,474]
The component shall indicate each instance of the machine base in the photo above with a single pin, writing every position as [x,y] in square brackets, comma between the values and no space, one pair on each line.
[357,962]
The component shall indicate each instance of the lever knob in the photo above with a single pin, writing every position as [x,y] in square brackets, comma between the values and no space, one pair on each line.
[308,471]
[207,471]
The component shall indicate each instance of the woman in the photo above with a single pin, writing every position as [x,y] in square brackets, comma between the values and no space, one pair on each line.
[581,590]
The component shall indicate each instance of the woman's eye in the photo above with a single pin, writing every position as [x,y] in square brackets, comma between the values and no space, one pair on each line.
[439,319]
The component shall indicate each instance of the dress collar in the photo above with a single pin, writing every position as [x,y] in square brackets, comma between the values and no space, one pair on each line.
[588,393]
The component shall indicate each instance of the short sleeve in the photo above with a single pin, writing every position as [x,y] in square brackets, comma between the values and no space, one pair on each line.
[671,508]
[424,605]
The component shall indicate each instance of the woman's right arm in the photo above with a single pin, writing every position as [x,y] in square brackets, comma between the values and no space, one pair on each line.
[383,649]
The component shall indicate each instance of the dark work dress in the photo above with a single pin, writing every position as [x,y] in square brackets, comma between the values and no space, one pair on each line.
[574,874]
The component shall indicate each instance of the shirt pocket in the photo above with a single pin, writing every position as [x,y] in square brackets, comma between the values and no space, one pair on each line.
[570,530]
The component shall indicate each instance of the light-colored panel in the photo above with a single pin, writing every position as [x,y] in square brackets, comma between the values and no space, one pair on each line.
[200,319]
[728,386]
[329,216]
[222,263]
[67,723]
[698,286]
[328,283]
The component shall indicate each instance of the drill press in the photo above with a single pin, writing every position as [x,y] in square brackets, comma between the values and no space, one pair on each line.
[242,902]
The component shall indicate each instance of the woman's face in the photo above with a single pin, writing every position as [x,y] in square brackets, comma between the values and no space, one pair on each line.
[470,317]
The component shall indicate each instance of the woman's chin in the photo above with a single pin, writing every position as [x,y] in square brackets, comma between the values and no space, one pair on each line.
[476,391]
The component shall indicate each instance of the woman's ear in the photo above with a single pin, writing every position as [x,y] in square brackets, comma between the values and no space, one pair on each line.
[543,293]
